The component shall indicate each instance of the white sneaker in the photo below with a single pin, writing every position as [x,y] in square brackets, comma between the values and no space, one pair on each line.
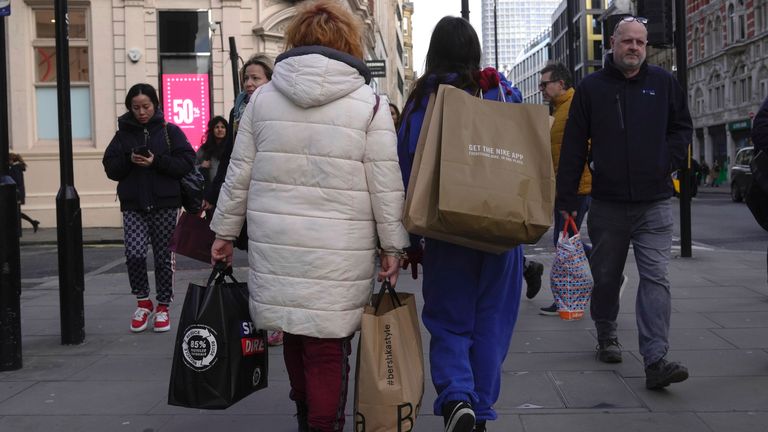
[624,280]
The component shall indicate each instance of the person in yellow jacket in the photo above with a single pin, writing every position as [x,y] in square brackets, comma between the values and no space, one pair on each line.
[556,86]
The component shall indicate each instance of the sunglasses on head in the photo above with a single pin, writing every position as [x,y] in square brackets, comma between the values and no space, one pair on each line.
[641,20]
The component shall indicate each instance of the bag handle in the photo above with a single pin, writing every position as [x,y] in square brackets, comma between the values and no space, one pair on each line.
[572,223]
[387,287]
[220,271]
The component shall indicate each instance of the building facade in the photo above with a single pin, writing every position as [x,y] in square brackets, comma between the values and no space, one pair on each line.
[525,73]
[584,54]
[727,74]
[177,46]
[517,22]
[410,74]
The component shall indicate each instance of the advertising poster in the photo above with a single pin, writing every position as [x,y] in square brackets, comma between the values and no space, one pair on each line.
[186,104]
[5,7]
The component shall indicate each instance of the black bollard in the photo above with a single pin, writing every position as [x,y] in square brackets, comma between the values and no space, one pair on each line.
[10,254]
[69,224]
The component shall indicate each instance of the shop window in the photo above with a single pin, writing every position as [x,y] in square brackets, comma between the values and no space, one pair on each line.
[44,47]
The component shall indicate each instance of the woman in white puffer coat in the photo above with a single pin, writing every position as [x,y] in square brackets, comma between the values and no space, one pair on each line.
[315,171]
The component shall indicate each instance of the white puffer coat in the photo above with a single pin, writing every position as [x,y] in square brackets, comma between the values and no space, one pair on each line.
[319,176]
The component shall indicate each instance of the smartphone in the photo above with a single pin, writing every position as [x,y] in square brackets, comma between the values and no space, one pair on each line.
[142,150]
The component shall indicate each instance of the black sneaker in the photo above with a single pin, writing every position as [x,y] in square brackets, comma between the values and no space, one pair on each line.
[609,351]
[532,274]
[480,427]
[663,373]
[458,416]
[549,310]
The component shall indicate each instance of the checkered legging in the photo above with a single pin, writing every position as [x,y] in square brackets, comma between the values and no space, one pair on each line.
[141,228]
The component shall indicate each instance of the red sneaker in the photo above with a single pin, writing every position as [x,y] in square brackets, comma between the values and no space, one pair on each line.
[141,316]
[162,320]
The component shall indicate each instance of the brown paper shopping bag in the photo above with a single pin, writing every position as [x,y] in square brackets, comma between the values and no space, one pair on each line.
[420,213]
[389,380]
[497,182]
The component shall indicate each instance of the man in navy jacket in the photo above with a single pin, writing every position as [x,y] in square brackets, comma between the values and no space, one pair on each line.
[637,118]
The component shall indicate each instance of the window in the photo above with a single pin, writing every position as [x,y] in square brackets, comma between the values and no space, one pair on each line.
[731,24]
[761,15]
[696,44]
[406,60]
[762,79]
[699,101]
[406,21]
[716,93]
[717,34]
[44,47]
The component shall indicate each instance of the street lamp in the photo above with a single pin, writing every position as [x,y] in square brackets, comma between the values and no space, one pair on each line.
[465,9]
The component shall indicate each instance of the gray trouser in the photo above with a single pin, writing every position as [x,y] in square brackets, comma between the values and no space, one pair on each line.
[648,226]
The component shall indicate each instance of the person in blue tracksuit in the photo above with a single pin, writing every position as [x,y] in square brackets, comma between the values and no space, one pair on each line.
[471,297]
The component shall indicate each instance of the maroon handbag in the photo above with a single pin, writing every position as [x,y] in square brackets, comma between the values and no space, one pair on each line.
[193,238]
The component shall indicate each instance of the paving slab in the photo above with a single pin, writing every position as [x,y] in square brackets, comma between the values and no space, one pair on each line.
[594,389]
[569,361]
[528,390]
[736,422]
[745,337]
[739,319]
[706,394]
[12,388]
[84,423]
[624,422]
[702,292]
[85,398]
[49,368]
[740,304]
[679,339]
[723,363]
[578,339]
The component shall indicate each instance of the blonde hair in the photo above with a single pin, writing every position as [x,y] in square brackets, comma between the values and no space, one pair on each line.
[326,23]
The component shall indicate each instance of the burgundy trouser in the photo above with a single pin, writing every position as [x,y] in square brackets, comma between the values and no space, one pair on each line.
[319,371]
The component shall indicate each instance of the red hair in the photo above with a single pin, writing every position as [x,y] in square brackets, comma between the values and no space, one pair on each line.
[326,23]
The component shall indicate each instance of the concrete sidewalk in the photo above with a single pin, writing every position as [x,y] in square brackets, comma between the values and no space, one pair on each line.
[118,381]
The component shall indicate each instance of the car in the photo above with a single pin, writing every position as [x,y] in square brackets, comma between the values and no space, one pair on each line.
[741,175]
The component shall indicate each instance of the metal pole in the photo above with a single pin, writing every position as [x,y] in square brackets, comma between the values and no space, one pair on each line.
[681,53]
[10,255]
[69,225]
[233,58]
[495,34]
[465,9]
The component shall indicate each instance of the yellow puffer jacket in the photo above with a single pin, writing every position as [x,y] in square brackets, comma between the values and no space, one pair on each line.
[562,105]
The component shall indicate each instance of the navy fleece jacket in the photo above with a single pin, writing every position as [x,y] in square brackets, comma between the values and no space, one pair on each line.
[640,129]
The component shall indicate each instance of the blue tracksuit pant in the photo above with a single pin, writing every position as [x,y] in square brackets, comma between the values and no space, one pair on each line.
[471,300]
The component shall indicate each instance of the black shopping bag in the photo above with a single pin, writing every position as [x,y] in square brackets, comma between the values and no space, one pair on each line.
[219,357]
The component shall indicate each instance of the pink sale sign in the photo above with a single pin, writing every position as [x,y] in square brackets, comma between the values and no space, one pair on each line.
[186,104]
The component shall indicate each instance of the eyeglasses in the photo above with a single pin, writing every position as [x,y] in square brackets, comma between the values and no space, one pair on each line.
[641,20]
[544,84]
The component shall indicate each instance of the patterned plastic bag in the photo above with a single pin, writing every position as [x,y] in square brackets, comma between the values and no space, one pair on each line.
[571,277]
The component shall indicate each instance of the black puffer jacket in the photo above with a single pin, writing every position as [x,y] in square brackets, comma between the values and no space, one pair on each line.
[640,129]
[157,186]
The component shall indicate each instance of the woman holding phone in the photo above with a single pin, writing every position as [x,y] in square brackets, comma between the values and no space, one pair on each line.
[148,157]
